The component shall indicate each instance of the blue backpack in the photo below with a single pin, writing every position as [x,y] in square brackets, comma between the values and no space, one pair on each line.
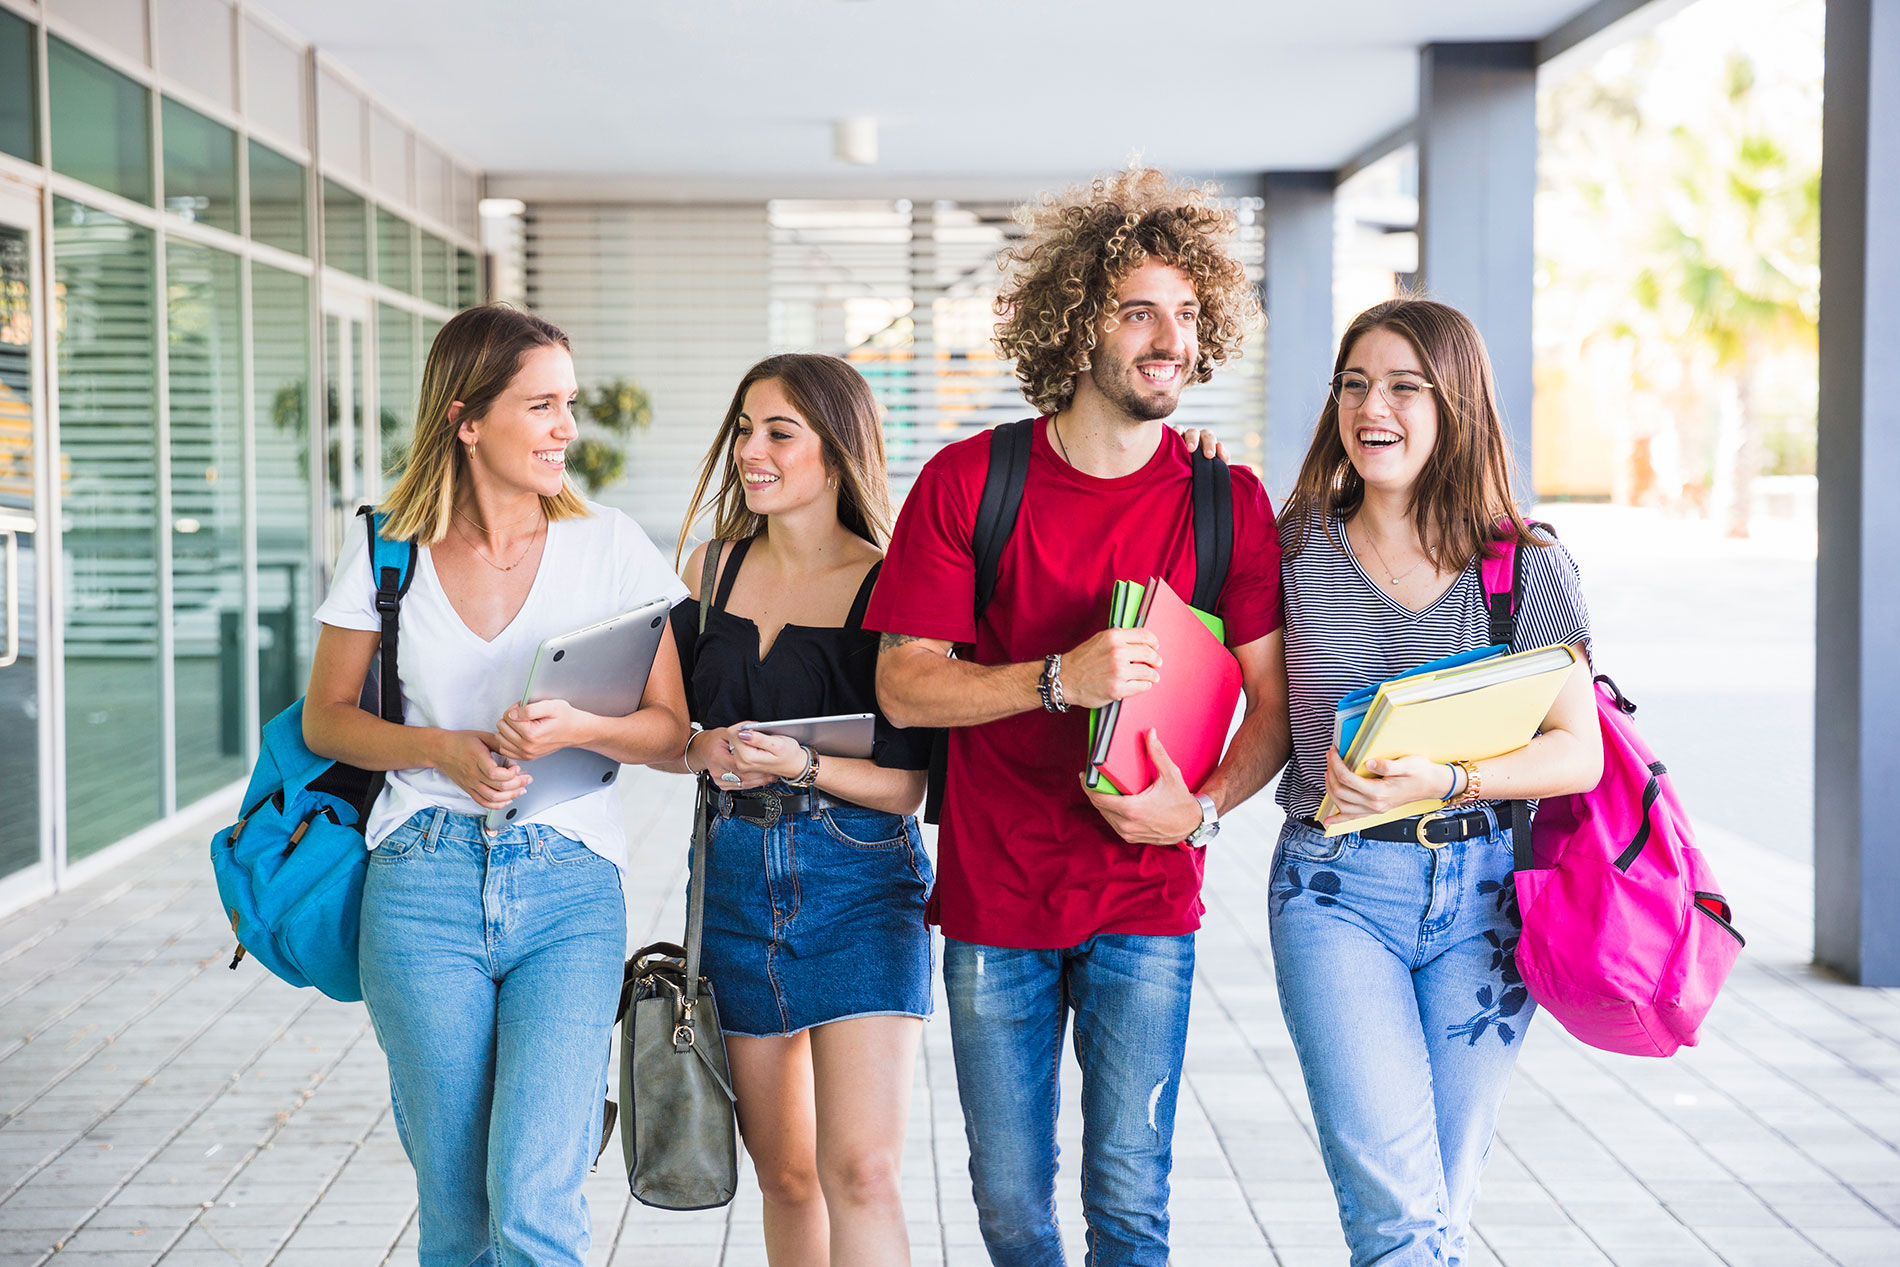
[290,871]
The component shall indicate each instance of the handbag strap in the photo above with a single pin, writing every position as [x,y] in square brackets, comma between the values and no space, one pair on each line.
[708,573]
[702,799]
[696,882]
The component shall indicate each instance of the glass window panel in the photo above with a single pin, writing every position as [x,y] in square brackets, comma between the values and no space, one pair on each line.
[468,280]
[395,252]
[200,168]
[108,441]
[205,358]
[438,287]
[345,230]
[280,324]
[102,124]
[18,135]
[397,382]
[277,200]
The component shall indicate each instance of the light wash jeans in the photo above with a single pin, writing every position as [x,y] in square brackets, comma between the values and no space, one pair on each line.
[492,968]
[1008,1009]
[1400,990]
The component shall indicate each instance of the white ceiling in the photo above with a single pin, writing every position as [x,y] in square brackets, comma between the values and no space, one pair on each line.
[747,89]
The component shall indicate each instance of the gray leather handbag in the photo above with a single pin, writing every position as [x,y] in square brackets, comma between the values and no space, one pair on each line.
[679,1132]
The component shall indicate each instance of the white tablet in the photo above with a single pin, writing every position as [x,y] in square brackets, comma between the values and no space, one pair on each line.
[845,735]
[602,669]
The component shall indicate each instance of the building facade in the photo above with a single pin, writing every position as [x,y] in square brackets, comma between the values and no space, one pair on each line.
[221,263]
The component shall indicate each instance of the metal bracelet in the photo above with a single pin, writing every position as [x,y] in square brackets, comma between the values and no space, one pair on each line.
[1049,685]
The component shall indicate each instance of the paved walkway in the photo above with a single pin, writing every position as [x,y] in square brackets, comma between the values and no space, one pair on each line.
[156,1108]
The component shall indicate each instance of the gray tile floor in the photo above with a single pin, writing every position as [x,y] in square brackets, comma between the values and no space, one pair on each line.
[156,1108]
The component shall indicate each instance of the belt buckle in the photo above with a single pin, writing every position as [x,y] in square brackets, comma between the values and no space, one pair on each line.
[1423,821]
[772,805]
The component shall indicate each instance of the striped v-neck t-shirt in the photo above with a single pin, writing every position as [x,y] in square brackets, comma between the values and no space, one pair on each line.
[1343,632]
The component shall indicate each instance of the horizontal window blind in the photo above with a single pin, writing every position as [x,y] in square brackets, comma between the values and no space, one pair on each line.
[682,299]
[674,298]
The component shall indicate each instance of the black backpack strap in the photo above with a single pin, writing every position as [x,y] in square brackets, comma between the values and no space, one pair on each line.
[1010,444]
[392,582]
[858,605]
[996,513]
[1213,529]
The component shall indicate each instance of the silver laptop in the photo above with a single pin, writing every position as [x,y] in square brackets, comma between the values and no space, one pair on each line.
[602,669]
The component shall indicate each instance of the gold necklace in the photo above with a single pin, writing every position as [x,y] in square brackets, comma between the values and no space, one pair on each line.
[1379,554]
[490,562]
[480,527]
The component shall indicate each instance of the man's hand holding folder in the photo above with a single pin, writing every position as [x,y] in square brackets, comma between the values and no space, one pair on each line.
[1152,751]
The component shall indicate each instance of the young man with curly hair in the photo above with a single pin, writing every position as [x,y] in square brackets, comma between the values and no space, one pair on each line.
[1055,900]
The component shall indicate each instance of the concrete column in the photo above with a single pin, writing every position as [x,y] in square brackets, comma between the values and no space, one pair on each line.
[1857,608]
[1477,179]
[1299,303]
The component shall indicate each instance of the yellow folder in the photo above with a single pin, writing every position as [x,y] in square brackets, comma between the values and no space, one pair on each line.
[1470,713]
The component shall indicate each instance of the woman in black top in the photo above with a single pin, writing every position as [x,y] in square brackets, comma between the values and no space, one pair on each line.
[815,875]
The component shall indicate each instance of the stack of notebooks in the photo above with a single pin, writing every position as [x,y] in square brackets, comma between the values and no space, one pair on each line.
[1191,708]
[1469,707]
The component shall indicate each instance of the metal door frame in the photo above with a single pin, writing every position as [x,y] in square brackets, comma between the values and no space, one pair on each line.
[26,208]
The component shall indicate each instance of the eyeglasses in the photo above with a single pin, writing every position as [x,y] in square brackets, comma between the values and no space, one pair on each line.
[1401,388]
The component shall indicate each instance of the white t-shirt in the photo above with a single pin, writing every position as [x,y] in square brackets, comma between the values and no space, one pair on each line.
[591,569]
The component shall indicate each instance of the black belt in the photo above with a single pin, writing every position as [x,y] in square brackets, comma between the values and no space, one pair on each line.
[765,806]
[1440,827]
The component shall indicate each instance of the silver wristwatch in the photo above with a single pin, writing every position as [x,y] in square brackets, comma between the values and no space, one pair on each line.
[1210,824]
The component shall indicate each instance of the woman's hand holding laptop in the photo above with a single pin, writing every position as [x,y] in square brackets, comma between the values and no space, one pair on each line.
[470,759]
[528,731]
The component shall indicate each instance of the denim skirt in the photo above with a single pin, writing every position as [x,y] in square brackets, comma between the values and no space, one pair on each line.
[818,917]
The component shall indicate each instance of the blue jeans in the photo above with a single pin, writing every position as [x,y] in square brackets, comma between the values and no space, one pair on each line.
[1398,983]
[1008,1007]
[492,968]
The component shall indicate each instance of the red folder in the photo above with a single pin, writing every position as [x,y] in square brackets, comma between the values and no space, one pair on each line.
[1191,707]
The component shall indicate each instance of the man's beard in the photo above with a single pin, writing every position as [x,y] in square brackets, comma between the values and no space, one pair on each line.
[1112,377]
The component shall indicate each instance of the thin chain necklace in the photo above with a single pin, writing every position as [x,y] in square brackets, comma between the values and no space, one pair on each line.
[1379,554]
[499,567]
[1056,430]
[480,527]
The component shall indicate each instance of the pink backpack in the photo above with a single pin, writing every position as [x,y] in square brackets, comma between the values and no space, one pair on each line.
[1626,936]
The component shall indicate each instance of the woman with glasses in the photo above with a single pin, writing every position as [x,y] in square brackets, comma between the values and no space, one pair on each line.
[1393,946]
[816,876]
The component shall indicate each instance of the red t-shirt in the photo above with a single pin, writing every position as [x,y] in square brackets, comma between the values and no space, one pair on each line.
[1024,859]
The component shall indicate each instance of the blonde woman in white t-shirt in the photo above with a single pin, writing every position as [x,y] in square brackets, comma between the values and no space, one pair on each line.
[492,962]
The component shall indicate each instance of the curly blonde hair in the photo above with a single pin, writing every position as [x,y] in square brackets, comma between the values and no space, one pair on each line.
[1076,249]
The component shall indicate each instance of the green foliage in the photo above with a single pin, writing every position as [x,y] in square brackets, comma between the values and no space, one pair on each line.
[1679,230]
[620,406]
[596,463]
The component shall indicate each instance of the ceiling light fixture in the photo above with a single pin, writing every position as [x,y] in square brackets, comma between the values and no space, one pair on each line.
[854,140]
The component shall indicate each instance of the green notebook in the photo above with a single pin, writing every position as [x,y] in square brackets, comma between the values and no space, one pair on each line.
[1124,612]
